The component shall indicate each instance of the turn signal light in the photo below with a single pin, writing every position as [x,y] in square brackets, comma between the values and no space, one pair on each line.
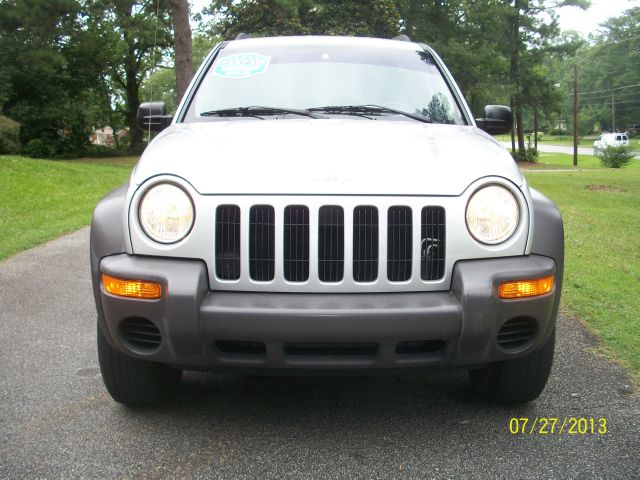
[131,288]
[526,288]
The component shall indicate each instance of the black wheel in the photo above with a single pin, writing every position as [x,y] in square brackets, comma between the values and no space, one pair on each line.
[515,381]
[132,381]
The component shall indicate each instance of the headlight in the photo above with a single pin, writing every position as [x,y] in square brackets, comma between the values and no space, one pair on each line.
[166,213]
[492,214]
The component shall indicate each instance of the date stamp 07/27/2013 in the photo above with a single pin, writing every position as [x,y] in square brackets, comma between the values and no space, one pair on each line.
[558,426]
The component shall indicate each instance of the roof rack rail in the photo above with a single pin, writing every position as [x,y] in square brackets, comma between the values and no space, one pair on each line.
[402,38]
[242,36]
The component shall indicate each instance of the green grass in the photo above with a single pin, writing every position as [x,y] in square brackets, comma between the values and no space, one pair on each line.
[41,200]
[563,161]
[601,212]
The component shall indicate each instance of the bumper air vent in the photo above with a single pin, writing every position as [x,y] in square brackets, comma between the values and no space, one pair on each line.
[420,347]
[140,334]
[228,242]
[516,333]
[241,347]
[331,349]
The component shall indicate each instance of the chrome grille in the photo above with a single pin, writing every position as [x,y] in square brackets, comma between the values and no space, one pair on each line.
[399,243]
[432,248]
[365,244]
[228,242]
[262,243]
[296,243]
[330,243]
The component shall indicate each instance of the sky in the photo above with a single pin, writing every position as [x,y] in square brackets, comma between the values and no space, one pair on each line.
[571,18]
[585,22]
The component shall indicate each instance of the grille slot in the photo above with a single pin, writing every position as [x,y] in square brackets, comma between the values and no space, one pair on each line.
[228,242]
[261,242]
[432,249]
[331,243]
[296,243]
[365,244]
[141,334]
[517,332]
[399,243]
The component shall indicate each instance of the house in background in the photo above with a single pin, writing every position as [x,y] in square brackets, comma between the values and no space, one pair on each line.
[105,137]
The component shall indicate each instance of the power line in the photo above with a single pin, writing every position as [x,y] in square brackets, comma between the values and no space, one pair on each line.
[605,104]
[609,89]
[608,95]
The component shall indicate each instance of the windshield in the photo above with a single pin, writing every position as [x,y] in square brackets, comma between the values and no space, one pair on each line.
[302,77]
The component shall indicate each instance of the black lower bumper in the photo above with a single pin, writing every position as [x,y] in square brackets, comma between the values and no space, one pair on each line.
[291,333]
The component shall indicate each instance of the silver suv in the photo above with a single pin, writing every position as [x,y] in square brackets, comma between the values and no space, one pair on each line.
[325,205]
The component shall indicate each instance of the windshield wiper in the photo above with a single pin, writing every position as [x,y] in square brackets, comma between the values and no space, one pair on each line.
[257,111]
[367,110]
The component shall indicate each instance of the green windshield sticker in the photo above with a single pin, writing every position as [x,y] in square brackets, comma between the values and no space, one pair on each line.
[241,65]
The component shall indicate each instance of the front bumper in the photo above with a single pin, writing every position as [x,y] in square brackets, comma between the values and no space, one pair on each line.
[280,332]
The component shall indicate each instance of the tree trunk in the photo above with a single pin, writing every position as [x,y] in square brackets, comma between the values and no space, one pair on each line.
[133,102]
[183,44]
[519,131]
[513,140]
[535,128]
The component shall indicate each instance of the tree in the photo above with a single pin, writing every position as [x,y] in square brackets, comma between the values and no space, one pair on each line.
[376,18]
[531,27]
[183,45]
[138,33]
[161,83]
[468,36]
[610,73]
[48,69]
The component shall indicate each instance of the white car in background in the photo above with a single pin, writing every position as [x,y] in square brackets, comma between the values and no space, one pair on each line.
[609,140]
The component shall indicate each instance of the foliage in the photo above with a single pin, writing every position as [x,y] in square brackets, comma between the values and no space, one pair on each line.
[369,18]
[528,154]
[48,70]
[161,83]
[615,157]
[38,148]
[9,136]
[608,72]
[137,36]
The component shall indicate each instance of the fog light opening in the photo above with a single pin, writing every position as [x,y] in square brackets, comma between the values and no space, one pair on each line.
[526,288]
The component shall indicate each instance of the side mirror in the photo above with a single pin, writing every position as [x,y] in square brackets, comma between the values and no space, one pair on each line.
[497,120]
[153,116]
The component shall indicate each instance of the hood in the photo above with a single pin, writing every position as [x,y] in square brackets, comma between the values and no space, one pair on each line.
[325,157]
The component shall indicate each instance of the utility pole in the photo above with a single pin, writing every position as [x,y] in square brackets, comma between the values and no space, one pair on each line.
[575,115]
[613,112]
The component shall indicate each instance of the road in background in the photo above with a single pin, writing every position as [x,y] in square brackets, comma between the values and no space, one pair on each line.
[58,421]
[560,149]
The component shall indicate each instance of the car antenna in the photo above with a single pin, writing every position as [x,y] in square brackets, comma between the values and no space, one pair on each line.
[242,36]
[402,38]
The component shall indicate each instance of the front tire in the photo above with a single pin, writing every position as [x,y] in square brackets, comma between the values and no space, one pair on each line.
[132,381]
[515,381]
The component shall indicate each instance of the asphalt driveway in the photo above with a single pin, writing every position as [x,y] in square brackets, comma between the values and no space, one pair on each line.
[57,421]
